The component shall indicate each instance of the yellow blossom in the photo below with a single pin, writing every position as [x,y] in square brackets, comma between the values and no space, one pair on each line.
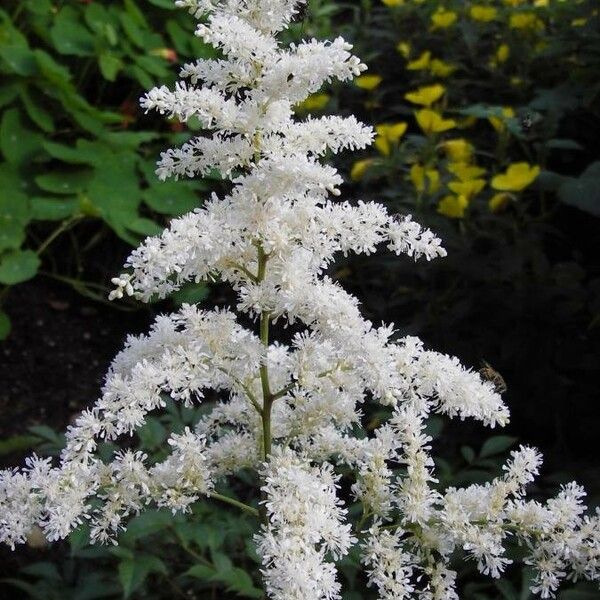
[388,134]
[453,206]
[439,68]
[502,53]
[426,95]
[466,122]
[469,188]
[314,102]
[485,14]
[464,171]
[442,18]
[425,180]
[393,2]
[498,202]
[368,82]
[459,150]
[516,178]
[541,3]
[404,49]
[420,63]
[360,167]
[498,123]
[579,22]
[431,121]
[525,20]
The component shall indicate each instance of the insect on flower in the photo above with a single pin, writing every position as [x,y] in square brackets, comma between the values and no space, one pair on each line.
[488,373]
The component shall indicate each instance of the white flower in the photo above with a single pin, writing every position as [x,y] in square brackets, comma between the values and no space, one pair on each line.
[291,411]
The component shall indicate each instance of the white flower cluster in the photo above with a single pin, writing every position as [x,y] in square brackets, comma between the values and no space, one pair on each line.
[292,411]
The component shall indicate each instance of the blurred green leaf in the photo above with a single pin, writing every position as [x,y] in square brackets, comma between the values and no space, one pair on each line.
[17,266]
[19,145]
[496,445]
[110,65]
[4,325]
[69,35]
[134,571]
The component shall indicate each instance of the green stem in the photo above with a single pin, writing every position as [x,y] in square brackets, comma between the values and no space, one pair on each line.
[249,509]
[61,229]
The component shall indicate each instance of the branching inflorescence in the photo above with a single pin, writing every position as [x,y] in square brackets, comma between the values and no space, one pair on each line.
[292,411]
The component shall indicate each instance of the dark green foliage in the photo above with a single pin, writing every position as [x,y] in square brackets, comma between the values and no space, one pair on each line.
[75,147]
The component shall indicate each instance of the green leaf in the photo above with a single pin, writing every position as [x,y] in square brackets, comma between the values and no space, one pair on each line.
[45,570]
[53,72]
[134,571]
[17,266]
[18,144]
[583,192]
[562,144]
[19,59]
[70,36]
[152,434]
[221,561]
[191,293]
[144,226]
[201,572]
[496,445]
[83,153]
[39,115]
[163,4]
[64,182]
[52,209]
[171,198]
[237,580]
[15,443]
[4,325]
[146,523]
[468,453]
[110,65]
[132,29]
[12,235]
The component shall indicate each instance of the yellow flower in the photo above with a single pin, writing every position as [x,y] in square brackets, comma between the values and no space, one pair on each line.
[498,202]
[393,2]
[420,63]
[498,123]
[525,20]
[360,167]
[368,82]
[314,102]
[426,95]
[466,122]
[579,22]
[468,189]
[464,171]
[541,3]
[439,68]
[431,121]
[485,14]
[502,53]
[453,206]
[404,49]
[458,150]
[388,134]
[442,18]
[425,180]
[392,131]
[516,178]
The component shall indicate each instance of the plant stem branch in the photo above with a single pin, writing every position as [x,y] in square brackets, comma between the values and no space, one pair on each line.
[234,502]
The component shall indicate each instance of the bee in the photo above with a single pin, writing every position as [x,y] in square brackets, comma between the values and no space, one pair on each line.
[526,122]
[301,12]
[488,373]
